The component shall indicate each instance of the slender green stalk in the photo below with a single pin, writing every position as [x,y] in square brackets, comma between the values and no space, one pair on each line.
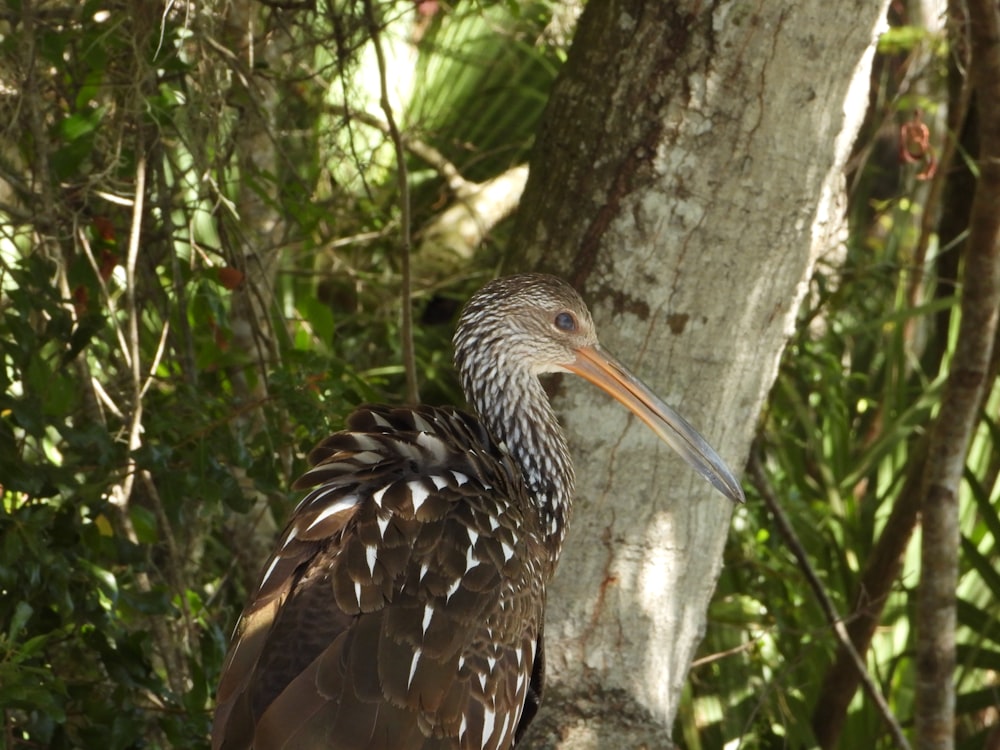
[406,241]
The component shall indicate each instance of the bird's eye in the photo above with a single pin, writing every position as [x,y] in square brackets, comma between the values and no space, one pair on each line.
[565,322]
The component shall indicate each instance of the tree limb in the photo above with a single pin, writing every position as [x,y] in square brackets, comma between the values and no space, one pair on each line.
[944,217]
[952,431]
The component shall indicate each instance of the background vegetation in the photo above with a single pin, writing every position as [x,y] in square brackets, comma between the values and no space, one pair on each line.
[203,244]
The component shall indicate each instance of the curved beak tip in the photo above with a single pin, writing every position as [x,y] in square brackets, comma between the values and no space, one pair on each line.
[601,369]
[732,491]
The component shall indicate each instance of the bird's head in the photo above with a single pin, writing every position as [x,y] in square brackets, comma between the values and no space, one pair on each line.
[534,324]
[529,322]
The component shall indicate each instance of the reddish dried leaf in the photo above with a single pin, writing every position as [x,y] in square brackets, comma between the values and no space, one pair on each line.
[230,277]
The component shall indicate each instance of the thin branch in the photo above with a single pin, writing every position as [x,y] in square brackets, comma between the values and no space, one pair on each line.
[787,531]
[480,206]
[881,571]
[936,616]
[719,655]
[157,357]
[462,226]
[403,180]
[948,205]
[84,244]
[122,492]
[120,495]
[185,344]
[131,306]
[91,401]
[105,399]
[422,150]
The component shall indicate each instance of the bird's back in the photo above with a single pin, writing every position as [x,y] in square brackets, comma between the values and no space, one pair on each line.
[403,606]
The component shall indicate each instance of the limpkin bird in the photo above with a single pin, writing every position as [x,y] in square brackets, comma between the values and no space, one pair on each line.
[403,606]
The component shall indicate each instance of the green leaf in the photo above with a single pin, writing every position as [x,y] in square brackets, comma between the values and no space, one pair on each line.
[144,524]
[80,124]
[980,621]
[978,658]
[22,613]
[985,567]
[320,319]
[105,579]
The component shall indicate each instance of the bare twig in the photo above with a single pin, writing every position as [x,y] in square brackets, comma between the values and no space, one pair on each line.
[122,492]
[185,345]
[479,205]
[92,404]
[718,656]
[120,495]
[787,531]
[422,150]
[951,432]
[881,571]
[131,308]
[84,244]
[402,178]
[105,399]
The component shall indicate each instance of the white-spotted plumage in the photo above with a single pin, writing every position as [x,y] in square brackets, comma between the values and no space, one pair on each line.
[268,572]
[508,551]
[403,606]
[414,662]
[471,560]
[344,503]
[418,493]
[502,735]
[489,721]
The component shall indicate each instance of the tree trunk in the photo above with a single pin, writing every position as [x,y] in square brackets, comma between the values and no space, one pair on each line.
[961,403]
[687,175]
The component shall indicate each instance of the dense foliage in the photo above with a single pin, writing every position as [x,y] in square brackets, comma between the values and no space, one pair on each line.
[166,364]
[200,269]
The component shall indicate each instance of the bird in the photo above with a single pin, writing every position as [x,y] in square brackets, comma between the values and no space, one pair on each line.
[403,606]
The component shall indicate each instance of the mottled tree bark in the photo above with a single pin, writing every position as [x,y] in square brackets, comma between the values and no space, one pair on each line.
[687,175]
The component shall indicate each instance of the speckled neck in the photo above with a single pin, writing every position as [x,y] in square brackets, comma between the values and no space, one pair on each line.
[516,411]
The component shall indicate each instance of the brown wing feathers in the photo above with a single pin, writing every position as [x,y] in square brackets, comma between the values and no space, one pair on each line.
[387,617]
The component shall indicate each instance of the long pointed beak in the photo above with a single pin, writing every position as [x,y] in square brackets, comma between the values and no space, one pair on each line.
[612,377]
